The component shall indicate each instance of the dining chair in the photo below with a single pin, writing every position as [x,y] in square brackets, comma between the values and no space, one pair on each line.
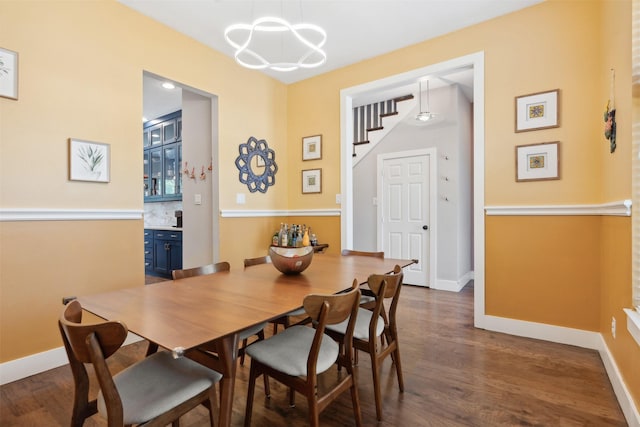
[154,391]
[296,356]
[245,334]
[371,324]
[367,299]
[284,320]
[200,271]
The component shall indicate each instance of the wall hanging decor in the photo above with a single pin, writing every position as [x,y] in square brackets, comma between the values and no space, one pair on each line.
[311,181]
[257,165]
[610,116]
[538,162]
[8,74]
[537,111]
[312,147]
[88,161]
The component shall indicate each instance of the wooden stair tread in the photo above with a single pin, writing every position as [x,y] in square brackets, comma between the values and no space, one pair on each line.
[403,98]
[392,113]
[360,142]
[375,128]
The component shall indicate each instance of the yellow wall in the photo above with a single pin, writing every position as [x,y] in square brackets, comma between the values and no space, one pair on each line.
[544,269]
[558,44]
[81,76]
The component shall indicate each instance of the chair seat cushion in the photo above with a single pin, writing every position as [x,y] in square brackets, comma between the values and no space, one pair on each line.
[251,331]
[297,312]
[366,299]
[288,351]
[361,330]
[158,383]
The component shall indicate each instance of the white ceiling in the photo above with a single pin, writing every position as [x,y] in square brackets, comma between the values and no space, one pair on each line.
[356,29]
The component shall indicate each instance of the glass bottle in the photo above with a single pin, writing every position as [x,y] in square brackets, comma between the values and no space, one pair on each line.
[284,238]
[305,240]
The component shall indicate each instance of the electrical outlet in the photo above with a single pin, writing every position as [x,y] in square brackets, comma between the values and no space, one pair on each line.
[613,326]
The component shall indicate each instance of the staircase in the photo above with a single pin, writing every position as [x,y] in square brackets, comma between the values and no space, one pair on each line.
[369,118]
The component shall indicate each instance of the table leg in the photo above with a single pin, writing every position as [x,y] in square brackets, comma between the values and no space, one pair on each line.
[221,355]
[228,352]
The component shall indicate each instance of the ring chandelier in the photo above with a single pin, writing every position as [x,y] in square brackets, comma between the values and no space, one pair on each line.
[241,36]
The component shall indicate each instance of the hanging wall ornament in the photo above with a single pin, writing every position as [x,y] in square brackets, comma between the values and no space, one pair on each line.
[257,165]
[610,117]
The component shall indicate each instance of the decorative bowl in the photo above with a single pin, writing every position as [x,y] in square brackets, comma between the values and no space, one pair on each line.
[291,260]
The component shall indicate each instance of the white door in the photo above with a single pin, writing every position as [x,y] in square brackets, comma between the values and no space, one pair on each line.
[405,196]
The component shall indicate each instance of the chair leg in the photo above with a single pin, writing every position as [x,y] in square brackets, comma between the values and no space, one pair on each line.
[355,401]
[253,372]
[244,346]
[396,359]
[314,415]
[213,405]
[292,397]
[175,423]
[375,368]
[267,388]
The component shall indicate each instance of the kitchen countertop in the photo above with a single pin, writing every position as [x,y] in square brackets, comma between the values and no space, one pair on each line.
[162,227]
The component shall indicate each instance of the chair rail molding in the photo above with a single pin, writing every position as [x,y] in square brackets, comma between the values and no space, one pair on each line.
[47,214]
[230,213]
[618,208]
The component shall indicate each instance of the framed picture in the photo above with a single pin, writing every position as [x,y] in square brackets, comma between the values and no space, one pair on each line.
[312,147]
[537,111]
[88,161]
[538,162]
[311,181]
[8,74]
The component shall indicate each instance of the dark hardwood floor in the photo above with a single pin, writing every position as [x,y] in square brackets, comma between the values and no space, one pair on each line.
[455,375]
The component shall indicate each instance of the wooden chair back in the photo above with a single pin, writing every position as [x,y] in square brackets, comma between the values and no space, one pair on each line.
[200,271]
[248,262]
[348,252]
[91,344]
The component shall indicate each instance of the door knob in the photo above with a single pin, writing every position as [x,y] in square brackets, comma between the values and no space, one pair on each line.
[425,227]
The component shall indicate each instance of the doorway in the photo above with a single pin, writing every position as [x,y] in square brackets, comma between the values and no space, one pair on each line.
[199,129]
[347,96]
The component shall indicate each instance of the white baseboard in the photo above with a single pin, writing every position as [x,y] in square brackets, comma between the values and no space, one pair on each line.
[453,285]
[619,387]
[36,363]
[576,337]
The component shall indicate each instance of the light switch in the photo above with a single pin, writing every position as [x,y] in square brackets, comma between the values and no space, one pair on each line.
[197,199]
[240,198]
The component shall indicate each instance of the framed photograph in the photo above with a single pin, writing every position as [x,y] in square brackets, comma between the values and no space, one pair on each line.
[537,111]
[88,161]
[312,147]
[311,181]
[538,162]
[8,74]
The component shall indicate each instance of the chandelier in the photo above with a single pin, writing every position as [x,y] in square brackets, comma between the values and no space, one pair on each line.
[255,45]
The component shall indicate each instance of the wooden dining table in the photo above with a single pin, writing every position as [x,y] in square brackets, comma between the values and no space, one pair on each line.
[207,312]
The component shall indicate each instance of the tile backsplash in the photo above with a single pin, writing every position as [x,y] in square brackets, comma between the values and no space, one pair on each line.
[161,213]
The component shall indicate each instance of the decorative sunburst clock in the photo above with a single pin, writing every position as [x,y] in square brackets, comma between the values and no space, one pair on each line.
[257,165]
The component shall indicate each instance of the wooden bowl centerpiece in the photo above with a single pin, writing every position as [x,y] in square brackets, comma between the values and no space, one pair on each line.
[291,260]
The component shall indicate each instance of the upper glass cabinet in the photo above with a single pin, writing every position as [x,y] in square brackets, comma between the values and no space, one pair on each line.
[162,158]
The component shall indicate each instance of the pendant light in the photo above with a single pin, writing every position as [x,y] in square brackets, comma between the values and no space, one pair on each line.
[255,45]
[424,116]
